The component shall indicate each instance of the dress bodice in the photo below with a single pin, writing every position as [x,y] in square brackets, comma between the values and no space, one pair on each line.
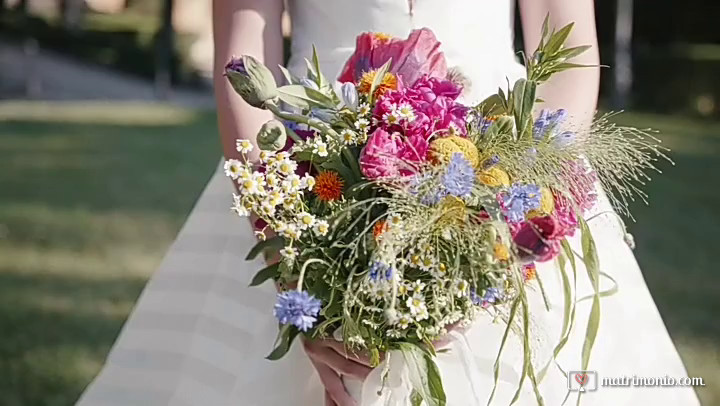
[476,35]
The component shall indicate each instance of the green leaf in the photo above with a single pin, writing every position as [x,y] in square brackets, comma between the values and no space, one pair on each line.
[424,374]
[285,338]
[557,40]
[320,79]
[288,76]
[264,274]
[545,31]
[569,53]
[276,243]
[496,366]
[379,76]
[592,265]
[304,97]
[337,165]
[523,102]
[603,293]
[492,105]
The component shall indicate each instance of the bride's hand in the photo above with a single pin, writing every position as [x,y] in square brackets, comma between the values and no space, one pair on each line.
[332,362]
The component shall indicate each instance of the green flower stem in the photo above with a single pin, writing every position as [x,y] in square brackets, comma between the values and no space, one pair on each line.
[298,118]
[302,271]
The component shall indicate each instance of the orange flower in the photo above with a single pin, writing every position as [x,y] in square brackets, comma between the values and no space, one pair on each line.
[382,37]
[529,272]
[328,186]
[388,83]
[379,228]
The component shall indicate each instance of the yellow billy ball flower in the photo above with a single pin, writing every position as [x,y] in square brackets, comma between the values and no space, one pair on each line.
[494,177]
[501,252]
[453,211]
[547,204]
[442,149]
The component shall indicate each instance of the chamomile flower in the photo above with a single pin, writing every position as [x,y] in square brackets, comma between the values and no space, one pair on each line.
[428,263]
[267,209]
[402,289]
[291,184]
[403,322]
[260,235]
[321,227]
[363,109]
[252,186]
[417,286]
[362,124]
[305,220]
[392,117]
[356,340]
[286,166]
[279,227]
[292,232]
[238,207]
[461,288]
[272,180]
[308,182]
[348,136]
[266,156]
[406,112]
[233,167]
[289,253]
[281,156]
[243,146]
[416,304]
[320,148]
[275,198]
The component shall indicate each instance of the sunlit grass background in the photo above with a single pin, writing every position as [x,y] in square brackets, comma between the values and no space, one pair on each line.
[91,196]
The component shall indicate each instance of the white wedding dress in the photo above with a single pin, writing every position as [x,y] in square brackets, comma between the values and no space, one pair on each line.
[198,334]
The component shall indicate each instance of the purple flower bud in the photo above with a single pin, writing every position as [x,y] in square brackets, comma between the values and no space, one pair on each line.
[236,65]
[251,80]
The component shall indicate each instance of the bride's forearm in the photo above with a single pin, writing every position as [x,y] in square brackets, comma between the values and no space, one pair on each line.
[251,27]
[577,89]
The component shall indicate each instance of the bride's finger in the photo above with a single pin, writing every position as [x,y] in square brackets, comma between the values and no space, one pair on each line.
[318,351]
[334,387]
[329,400]
[361,357]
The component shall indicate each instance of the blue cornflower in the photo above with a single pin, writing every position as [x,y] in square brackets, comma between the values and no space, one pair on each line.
[491,295]
[297,308]
[548,121]
[519,200]
[379,270]
[459,176]
[418,185]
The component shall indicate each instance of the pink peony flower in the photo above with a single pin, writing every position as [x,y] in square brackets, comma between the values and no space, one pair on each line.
[434,106]
[538,239]
[388,154]
[565,216]
[412,58]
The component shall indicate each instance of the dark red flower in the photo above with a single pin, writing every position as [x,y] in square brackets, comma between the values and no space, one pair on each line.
[538,239]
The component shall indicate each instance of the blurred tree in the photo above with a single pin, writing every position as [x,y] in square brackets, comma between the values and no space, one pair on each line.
[72,13]
[623,53]
[164,52]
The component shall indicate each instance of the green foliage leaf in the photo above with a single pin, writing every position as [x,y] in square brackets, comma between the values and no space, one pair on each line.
[264,274]
[496,366]
[523,101]
[424,374]
[274,243]
[492,105]
[558,39]
[282,345]
[289,78]
[304,97]
[379,76]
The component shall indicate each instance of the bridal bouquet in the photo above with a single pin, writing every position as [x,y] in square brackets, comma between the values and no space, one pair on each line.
[402,214]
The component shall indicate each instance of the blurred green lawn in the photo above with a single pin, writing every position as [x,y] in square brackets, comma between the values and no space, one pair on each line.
[91,195]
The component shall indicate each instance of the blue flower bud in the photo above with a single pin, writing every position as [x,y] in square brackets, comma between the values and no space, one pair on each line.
[349,95]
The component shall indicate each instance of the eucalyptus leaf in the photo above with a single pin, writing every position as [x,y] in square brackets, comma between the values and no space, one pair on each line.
[304,97]
[276,243]
[557,40]
[379,76]
[289,78]
[264,274]
[285,338]
[424,374]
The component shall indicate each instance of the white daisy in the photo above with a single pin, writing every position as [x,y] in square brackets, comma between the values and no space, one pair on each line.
[266,156]
[305,220]
[233,168]
[243,146]
[391,117]
[320,148]
[403,321]
[416,304]
[461,288]
[238,207]
[308,182]
[289,253]
[321,227]
[348,136]
[362,124]
[418,286]
[364,109]
[286,166]
[260,235]
[406,112]
[272,180]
